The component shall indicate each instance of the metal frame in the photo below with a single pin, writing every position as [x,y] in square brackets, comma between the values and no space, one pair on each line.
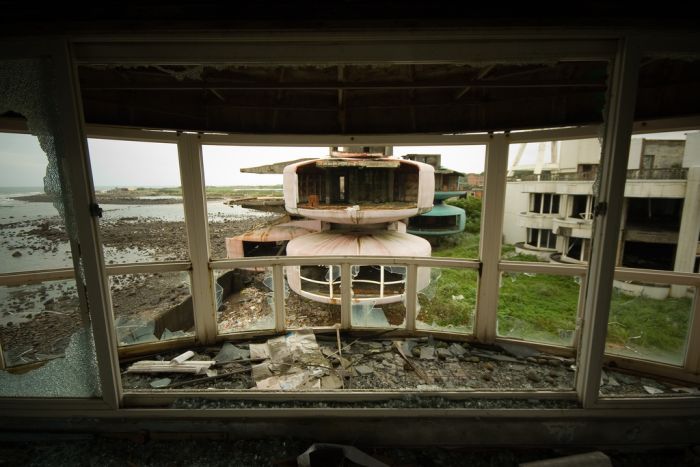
[443,47]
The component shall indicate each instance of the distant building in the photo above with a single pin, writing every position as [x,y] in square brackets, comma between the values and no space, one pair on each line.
[549,205]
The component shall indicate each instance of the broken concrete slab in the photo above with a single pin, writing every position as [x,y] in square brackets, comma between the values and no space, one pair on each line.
[427,352]
[519,350]
[443,353]
[456,349]
[494,356]
[259,351]
[331,381]
[230,353]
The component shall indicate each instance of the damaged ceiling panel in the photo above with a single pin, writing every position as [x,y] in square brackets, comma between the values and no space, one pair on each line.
[372,99]
[345,99]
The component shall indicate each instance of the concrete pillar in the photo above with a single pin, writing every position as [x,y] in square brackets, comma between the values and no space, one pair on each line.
[687,247]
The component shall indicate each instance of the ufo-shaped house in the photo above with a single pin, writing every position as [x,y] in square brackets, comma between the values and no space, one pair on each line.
[363,201]
[443,219]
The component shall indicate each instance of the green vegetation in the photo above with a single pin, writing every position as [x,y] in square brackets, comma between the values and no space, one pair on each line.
[648,327]
[538,307]
[543,307]
[472,207]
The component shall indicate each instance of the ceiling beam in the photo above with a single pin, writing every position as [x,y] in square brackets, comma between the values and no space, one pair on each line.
[334,86]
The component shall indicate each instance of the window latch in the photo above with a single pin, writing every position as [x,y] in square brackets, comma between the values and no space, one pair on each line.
[95,210]
[600,209]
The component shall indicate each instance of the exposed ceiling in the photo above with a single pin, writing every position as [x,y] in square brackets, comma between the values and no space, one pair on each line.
[371,99]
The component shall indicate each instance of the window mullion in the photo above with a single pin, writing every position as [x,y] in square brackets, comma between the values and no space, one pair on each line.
[196,222]
[491,234]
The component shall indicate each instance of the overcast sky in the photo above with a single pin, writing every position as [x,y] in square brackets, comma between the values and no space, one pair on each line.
[136,164]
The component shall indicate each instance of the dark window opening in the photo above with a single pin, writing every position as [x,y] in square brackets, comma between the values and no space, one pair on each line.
[252,249]
[660,213]
[536,202]
[578,208]
[574,248]
[433,222]
[649,255]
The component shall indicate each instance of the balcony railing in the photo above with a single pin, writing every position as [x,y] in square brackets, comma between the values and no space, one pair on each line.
[678,173]
[658,174]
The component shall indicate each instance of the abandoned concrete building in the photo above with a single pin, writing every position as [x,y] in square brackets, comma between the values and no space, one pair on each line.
[480,348]
[550,204]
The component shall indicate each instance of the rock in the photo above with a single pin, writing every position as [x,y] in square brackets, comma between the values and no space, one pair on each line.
[533,376]
[653,390]
[487,377]
[553,362]
[230,352]
[416,351]
[472,359]
[489,366]
[443,353]
[16,254]
[519,351]
[427,353]
[457,350]
[364,370]
[531,360]
[626,379]
[160,383]
[612,381]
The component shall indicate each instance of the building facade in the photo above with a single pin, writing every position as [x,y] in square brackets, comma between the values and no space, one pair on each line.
[550,203]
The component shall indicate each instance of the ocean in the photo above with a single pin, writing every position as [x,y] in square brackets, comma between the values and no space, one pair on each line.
[18,216]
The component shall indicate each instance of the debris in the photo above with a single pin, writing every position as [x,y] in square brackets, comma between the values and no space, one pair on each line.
[160,383]
[182,357]
[653,390]
[259,351]
[533,376]
[155,366]
[230,353]
[427,353]
[444,353]
[337,336]
[686,390]
[458,297]
[331,382]
[494,356]
[457,350]
[419,371]
[323,454]
[16,254]
[261,371]
[589,459]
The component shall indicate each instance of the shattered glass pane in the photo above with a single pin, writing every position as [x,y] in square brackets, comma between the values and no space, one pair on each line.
[151,307]
[247,301]
[650,322]
[378,294]
[51,315]
[73,375]
[37,320]
[448,301]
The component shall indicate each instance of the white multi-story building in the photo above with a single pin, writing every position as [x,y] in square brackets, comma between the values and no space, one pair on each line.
[550,203]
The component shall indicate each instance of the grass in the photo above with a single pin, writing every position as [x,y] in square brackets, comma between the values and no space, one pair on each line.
[542,307]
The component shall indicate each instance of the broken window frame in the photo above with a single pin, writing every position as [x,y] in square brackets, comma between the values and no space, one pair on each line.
[600,273]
